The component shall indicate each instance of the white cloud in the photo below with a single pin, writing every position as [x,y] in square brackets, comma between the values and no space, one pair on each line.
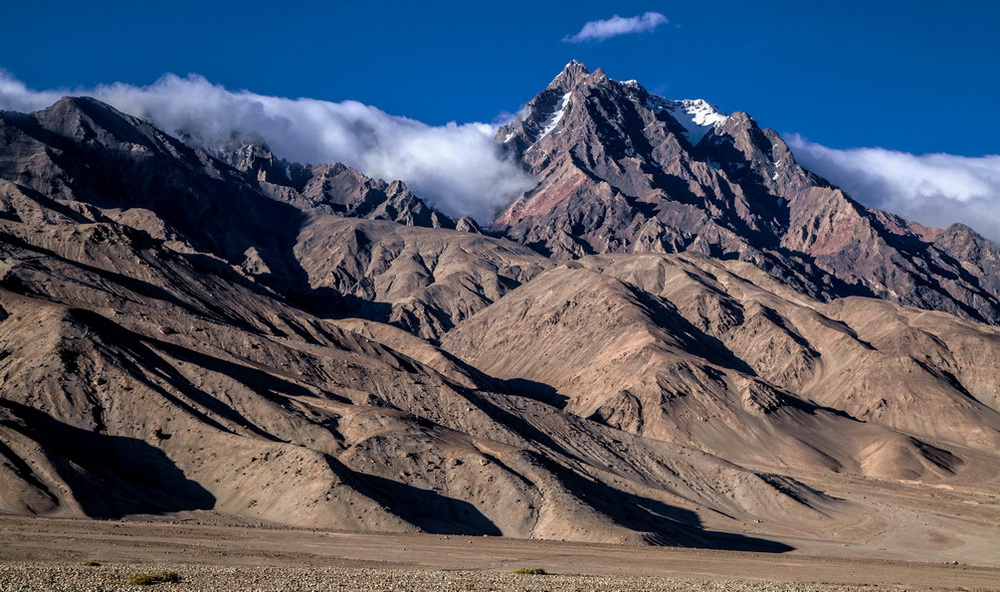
[458,168]
[933,189]
[14,96]
[616,25]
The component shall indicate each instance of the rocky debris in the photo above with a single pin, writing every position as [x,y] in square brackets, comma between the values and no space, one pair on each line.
[467,224]
[205,578]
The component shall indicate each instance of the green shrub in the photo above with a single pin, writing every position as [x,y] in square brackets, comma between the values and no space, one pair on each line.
[91,564]
[148,579]
[531,571]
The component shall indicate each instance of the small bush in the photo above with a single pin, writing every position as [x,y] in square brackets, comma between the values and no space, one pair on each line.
[148,579]
[91,564]
[530,571]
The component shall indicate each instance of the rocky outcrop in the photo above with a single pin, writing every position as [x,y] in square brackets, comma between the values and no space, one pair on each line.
[335,188]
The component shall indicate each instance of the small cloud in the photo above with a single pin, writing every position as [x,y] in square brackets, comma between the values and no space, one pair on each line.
[616,25]
[933,189]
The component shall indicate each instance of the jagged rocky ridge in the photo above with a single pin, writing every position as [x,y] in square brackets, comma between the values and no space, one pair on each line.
[623,171]
[175,340]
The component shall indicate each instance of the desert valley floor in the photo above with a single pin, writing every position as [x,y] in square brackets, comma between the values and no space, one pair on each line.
[49,554]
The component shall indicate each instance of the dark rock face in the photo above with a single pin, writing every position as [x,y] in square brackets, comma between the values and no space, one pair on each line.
[334,188]
[623,171]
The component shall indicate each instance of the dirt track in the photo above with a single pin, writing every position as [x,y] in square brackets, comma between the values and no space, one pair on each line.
[270,558]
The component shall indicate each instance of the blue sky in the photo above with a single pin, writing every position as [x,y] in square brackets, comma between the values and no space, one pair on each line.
[910,75]
[893,100]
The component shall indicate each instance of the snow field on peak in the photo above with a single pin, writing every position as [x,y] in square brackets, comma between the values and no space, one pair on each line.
[696,115]
[552,121]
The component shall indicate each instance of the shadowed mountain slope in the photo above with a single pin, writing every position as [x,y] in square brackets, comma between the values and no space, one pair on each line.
[136,381]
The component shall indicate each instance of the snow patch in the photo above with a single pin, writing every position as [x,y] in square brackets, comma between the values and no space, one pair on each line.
[553,120]
[697,116]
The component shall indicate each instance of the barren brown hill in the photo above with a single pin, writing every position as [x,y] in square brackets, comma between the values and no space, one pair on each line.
[122,396]
[260,341]
[138,378]
[716,356]
[423,280]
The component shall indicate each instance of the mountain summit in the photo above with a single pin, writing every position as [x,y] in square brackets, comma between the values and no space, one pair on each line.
[621,170]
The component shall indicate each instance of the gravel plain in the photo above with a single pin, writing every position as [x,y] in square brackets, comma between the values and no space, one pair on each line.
[35,577]
[51,555]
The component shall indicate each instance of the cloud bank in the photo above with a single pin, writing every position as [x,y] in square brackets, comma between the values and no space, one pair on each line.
[457,168]
[460,170]
[933,189]
[616,25]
